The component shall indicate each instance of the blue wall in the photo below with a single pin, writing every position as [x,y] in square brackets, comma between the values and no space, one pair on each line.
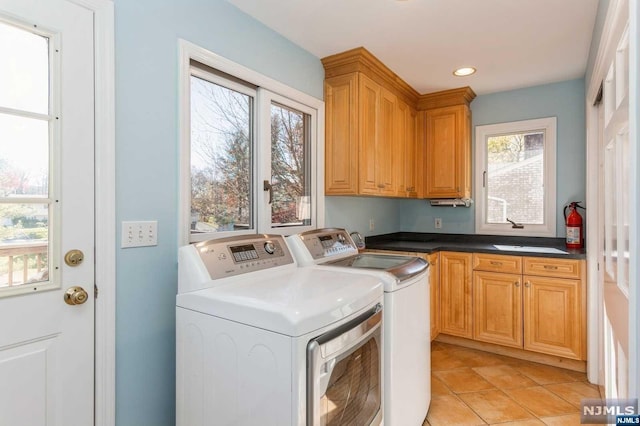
[354,214]
[147,171]
[147,33]
[564,100]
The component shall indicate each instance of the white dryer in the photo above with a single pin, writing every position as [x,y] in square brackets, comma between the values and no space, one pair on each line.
[407,342]
[261,341]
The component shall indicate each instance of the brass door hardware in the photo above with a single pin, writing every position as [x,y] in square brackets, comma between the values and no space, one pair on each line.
[74,257]
[75,296]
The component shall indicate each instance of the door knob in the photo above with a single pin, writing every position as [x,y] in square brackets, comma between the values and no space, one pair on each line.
[75,296]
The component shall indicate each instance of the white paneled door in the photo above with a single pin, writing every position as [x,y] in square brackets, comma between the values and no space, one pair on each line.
[615,158]
[46,212]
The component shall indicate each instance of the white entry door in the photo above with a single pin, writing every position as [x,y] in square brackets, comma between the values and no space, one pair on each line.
[46,211]
[615,201]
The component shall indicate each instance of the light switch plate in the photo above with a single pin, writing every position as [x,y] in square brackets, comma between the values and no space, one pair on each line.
[139,234]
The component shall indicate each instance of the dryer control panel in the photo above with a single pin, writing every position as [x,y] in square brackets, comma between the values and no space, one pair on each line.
[327,243]
[240,255]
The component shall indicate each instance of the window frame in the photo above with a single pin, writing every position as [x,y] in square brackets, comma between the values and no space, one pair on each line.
[268,97]
[54,219]
[548,125]
[267,88]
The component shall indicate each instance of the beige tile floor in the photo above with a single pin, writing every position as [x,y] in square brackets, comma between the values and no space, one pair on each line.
[470,387]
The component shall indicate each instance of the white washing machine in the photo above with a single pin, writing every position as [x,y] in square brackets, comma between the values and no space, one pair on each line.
[261,341]
[407,340]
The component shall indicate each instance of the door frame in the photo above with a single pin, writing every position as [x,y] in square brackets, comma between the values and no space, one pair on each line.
[606,50]
[105,213]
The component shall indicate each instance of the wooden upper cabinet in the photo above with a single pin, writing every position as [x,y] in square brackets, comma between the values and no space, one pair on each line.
[341,132]
[384,138]
[387,155]
[377,130]
[448,152]
[365,134]
[369,111]
[407,149]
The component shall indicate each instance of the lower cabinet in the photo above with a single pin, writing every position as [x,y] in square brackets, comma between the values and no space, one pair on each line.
[497,308]
[455,294]
[553,316]
[532,303]
[434,287]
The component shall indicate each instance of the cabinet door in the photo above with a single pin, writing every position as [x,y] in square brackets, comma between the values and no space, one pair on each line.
[455,294]
[386,153]
[497,308]
[341,135]
[552,316]
[369,105]
[434,286]
[448,152]
[407,147]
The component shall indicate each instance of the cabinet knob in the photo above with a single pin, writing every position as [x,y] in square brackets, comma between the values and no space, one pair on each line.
[517,283]
[381,185]
[527,284]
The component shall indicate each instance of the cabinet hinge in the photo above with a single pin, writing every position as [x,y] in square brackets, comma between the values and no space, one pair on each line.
[95,291]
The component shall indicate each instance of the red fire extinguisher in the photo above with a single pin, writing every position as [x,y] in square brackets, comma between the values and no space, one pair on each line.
[575,239]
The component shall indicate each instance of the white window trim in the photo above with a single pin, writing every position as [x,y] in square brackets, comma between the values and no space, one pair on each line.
[548,228]
[264,165]
[189,51]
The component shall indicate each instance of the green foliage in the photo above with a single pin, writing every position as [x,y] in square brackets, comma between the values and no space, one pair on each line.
[505,148]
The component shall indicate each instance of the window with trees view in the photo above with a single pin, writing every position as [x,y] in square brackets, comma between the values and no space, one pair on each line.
[251,159]
[27,140]
[515,178]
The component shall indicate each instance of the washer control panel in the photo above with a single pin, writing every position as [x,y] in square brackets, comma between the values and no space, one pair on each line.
[240,255]
[326,243]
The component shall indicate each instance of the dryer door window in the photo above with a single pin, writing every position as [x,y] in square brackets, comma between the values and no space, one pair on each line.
[344,385]
[353,393]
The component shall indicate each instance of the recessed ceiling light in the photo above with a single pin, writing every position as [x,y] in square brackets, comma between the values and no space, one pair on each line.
[464,71]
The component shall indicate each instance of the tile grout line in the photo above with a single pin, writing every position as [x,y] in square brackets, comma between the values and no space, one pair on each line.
[503,391]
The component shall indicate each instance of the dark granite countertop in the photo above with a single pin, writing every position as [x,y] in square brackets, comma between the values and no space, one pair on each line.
[515,246]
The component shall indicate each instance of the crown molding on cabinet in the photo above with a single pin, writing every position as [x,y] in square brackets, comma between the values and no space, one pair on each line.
[460,96]
[361,60]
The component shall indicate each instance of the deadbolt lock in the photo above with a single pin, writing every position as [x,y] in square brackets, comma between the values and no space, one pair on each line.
[73,257]
[75,295]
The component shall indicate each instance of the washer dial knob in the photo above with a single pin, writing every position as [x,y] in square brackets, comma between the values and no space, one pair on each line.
[269,247]
[341,238]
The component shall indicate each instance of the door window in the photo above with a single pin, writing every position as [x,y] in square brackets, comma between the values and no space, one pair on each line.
[28,133]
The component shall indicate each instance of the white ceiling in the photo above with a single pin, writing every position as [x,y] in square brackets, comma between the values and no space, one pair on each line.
[512,43]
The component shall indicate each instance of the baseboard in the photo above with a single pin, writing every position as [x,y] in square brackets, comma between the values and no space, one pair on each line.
[555,361]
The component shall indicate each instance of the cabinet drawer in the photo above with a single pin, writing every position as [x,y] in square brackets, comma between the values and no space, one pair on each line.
[497,263]
[551,267]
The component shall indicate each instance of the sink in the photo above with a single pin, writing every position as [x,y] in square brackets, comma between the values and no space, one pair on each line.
[530,249]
